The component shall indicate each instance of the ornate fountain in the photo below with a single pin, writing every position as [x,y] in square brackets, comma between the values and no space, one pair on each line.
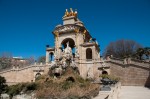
[59,65]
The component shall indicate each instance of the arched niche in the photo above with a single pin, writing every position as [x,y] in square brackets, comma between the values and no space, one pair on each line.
[37,75]
[88,53]
[71,44]
[51,56]
[105,72]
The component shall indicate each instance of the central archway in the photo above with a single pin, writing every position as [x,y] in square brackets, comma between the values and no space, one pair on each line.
[71,43]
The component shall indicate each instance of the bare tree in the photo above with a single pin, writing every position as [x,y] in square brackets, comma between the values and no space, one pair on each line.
[30,60]
[122,48]
[5,60]
[41,59]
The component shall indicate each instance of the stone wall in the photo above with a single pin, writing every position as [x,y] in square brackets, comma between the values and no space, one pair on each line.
[130,73]
[25,74]
[135,73]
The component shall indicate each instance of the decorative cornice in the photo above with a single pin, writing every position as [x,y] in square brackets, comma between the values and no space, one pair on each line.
[50,49]
[88,44]
[68,28]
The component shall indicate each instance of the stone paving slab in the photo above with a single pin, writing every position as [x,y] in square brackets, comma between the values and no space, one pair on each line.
[134,92]
[101,97]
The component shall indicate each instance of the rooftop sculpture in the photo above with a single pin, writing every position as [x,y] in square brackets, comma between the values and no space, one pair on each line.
[71,13]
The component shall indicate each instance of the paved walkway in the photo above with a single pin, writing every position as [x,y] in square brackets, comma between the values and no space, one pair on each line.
[134,92]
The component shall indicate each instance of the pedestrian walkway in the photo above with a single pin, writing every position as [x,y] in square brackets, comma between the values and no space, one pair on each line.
[134,92]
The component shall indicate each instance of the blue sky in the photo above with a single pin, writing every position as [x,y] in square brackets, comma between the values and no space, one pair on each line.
[26,25]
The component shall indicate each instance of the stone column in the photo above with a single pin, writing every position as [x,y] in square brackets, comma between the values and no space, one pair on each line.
[93,53]
[47,57]
[57,45]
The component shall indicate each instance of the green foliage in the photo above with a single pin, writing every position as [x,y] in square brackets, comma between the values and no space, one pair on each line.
[127,48]
[113,78]
[67,84]
[23,87]
[147,52]
[141,52]
[39,77]
[15,89]
[31,86]
[105,76]
[73,97]
[3,85]
[80,80]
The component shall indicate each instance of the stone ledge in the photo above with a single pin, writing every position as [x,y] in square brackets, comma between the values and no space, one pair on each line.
[113,94]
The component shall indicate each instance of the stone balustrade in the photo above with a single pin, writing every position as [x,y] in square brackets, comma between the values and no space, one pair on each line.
[130,71]
[113,94]
[24,74]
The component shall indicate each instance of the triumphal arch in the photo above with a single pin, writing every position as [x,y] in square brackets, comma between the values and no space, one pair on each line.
[85,50]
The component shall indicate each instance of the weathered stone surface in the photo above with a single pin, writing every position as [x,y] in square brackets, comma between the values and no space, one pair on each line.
[26,74]
[137,73]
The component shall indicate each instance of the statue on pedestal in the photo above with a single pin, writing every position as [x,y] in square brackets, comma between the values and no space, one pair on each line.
[68,52]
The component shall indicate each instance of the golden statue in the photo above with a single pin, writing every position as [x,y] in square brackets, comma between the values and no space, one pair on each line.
[71,13]
[75,13]
[66,13]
